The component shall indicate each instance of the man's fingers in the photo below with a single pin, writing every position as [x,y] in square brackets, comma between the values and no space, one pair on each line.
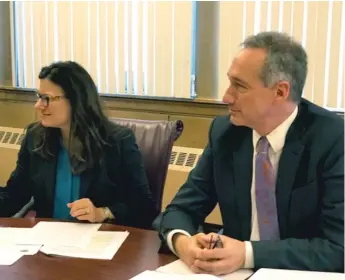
[201,240]
[213,254]
[217,267]
[196,269]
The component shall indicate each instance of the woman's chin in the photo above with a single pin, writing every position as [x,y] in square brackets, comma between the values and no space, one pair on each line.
[45,123]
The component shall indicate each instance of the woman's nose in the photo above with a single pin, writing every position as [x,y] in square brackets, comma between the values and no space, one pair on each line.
[39,104]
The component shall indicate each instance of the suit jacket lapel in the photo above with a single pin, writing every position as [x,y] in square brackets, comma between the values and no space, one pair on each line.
[85,182]
[288,165]
[49,178]
[242,172]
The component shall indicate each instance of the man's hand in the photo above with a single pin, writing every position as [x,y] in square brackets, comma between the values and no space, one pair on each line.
[187,248]
[84,210]
[220,261]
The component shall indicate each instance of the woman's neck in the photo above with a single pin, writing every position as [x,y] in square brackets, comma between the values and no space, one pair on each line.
[65,134]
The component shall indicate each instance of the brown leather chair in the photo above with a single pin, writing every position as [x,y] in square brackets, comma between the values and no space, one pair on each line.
[155,140]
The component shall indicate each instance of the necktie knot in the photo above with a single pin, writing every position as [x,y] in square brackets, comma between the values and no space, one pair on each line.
[263,145]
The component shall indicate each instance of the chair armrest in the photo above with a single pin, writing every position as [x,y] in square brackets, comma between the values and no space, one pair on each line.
[26,208]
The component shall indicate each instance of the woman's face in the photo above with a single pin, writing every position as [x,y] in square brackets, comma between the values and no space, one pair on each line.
[52,106]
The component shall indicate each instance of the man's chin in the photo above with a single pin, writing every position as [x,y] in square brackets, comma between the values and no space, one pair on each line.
[236,121]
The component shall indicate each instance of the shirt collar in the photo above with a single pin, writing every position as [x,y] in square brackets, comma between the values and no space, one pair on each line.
[277,137]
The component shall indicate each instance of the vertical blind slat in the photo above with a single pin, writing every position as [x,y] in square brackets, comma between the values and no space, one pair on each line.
[119,45]
[182,44]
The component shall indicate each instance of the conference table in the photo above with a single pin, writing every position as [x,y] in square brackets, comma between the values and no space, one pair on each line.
[138,253]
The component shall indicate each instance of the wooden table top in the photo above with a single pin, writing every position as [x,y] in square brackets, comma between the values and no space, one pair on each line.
[138,253]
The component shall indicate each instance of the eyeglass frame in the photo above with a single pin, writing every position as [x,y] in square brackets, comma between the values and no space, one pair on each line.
[48,98]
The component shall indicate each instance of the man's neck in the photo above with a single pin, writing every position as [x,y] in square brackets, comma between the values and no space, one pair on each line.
[275,119]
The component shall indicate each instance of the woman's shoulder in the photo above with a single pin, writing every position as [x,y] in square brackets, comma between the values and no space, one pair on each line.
[29,131]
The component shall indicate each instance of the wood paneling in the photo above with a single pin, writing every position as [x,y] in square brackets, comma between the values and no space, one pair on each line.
[16,114]
[195,132]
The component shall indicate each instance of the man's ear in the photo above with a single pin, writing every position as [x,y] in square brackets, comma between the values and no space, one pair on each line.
[283,90]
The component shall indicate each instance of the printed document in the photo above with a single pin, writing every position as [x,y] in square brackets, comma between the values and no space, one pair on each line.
[60,233]
[103,245]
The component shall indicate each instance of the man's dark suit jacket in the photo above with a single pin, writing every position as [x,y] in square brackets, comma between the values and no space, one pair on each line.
[118,182]
[309,191]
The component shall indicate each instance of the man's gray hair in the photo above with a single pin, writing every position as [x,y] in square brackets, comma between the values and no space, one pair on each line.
[286,60]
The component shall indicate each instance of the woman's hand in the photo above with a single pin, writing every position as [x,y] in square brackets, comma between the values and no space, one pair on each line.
[84,210]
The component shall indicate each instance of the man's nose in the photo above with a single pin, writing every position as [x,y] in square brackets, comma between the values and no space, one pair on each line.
[228,97]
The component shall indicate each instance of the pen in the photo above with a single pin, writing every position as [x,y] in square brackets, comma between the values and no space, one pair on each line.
[217,243]
[210,244]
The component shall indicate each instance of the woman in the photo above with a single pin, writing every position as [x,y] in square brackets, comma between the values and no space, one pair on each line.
[75,162]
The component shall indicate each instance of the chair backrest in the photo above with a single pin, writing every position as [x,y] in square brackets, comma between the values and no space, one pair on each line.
[155,140]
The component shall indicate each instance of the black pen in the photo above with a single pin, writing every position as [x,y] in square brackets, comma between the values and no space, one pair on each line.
[218,243]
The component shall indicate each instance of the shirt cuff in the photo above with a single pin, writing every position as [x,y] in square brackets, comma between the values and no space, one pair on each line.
[249,261]
[170,238]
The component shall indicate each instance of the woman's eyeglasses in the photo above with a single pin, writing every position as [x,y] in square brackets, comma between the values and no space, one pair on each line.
[46,99]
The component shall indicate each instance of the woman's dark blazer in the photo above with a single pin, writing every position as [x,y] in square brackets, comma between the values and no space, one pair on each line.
[119,182]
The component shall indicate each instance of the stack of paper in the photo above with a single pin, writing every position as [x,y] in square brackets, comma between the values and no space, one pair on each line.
[178,270]
[156,275]
[60,233]
[59,238]
[103,245]
[282,274]
[11,248]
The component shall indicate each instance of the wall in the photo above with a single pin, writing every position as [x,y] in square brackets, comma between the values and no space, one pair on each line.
[5,44]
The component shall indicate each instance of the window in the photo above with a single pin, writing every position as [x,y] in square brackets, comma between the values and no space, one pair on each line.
[129,47]
[319,25]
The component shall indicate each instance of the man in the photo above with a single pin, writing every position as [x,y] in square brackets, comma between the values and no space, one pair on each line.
[276,169]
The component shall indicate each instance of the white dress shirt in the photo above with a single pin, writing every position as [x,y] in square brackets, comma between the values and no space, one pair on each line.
[276,139]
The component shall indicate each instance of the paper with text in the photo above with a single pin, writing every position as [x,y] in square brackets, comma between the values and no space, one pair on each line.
[61,233]
[283,274]
[156,275]
[102,245]
[178,267]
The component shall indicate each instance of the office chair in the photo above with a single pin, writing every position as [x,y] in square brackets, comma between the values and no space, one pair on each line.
[155,140]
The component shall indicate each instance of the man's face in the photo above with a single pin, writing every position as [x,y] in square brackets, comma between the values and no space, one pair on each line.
[249,101]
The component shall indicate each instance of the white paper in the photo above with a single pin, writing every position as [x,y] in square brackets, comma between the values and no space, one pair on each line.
[281,274]
[29,250]
[12,235]
[156,275]
[60,233]
[178,267]
[102,245]
[10,239]
[9,257]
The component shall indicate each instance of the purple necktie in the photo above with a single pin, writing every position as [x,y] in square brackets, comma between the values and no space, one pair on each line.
[265,193]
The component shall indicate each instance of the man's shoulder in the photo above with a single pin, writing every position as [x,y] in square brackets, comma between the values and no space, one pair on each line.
[321,120]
